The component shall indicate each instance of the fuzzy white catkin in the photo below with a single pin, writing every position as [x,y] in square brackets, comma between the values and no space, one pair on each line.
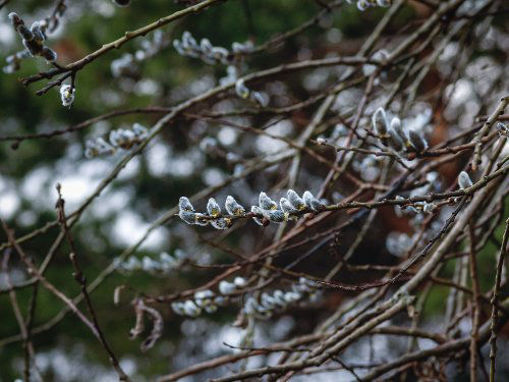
[185,204]
[286,206]
[312,202]
[295,200]
[277,216]
[232,207]
[191,309]
[226,287]
[260,99]
[213,208]
[258,211]
[379,121]
[398,128]
[67,95]
[240,282]
[265,202]
[464,180]
[241,89]
[417,140]
[178,308]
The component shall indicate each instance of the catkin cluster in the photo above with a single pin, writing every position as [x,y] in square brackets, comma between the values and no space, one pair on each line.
[396,136]
[189,47]
[245,93]
[362,5]
[127,64]
[269,303]
[265,212]
[165,264]
[33,39]
[207,300]
[123,139]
